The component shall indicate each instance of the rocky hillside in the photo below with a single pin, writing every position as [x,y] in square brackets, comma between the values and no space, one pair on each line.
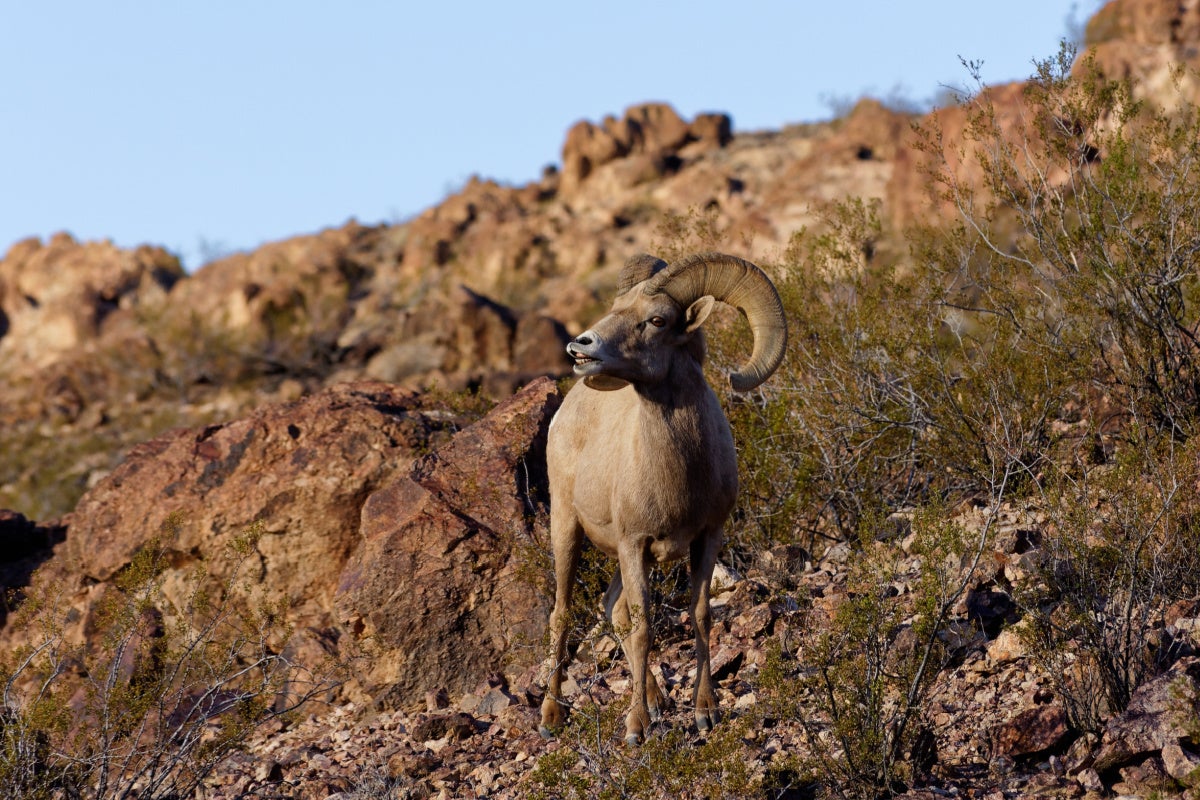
[313,391]
[102,348]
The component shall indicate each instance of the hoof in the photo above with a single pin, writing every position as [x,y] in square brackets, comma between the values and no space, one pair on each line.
[655,714]
[707,720]
[545,732]
[633,739]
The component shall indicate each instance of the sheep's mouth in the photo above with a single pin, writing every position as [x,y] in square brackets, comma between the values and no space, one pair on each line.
[582,360]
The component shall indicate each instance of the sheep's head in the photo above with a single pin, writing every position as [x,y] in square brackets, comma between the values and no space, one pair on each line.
[658,313]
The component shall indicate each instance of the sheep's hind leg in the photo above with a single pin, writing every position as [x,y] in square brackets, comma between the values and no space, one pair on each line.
[618,614]
[703,559]
[566,539]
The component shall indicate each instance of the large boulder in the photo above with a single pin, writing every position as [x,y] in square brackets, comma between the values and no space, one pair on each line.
[435,562]
[301,470]
[444,579]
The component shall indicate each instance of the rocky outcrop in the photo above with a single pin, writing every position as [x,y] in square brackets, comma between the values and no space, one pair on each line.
[301,470]
[651,135]
[60,296]
[444,579]
[1143,40]
[434,563]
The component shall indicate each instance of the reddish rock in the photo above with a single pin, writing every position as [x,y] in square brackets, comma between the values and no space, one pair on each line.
[645,135]
[539,346]
[753,623]
[587,146]
[441,579]
[301,470]
[712,129]
[1033,731]
[655,128]
[1182,762]
[456,727]
[411,766]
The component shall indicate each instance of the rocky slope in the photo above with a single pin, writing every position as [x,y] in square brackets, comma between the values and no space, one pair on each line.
[279,388]
[103,348]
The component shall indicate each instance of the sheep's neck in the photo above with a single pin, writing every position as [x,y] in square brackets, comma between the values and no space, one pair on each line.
[683,388]
[673,411]
[681,433]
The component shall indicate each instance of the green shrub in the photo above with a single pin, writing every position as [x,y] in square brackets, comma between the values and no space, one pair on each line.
[856,677]
[1122,544]
[1086,233]
[1090,211]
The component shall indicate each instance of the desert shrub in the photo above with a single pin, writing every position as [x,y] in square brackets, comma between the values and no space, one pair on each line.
[894,392]
[856,677]
[1102,191]
[1088,214]
[1122,544]
[158,696]
[593,761]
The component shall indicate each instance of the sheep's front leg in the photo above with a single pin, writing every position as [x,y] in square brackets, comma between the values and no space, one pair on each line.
[703,559]
[636,596]
[566,540]
[618,614]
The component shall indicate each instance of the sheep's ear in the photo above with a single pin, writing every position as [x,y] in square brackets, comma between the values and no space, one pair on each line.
[698,312]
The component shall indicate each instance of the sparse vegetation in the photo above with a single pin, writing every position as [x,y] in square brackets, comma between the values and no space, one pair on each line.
[158,695]
[1038,349]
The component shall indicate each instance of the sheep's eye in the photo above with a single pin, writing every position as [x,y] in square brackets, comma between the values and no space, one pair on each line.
[657,322]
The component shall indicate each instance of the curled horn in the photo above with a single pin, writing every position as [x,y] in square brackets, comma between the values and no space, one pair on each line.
[637,269]
[739,283]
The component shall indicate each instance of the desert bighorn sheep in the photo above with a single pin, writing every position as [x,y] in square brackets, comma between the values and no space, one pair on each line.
[640,456]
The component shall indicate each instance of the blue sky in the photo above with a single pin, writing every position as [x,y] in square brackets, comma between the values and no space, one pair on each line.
[216,126]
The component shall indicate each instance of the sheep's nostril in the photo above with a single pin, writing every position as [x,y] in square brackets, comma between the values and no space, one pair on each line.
[583,339]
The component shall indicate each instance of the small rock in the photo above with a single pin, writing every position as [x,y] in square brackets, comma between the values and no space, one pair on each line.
[748,700]
[484,775]
[1034,730]
[1138,778]
[753,623]
[726,663]
[1187,630]
[1079,755]
[454,727]
[494,702]
[268,772]
[723,579]
[1007,647]
[788,558]
[1181,763]
[1089,779]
